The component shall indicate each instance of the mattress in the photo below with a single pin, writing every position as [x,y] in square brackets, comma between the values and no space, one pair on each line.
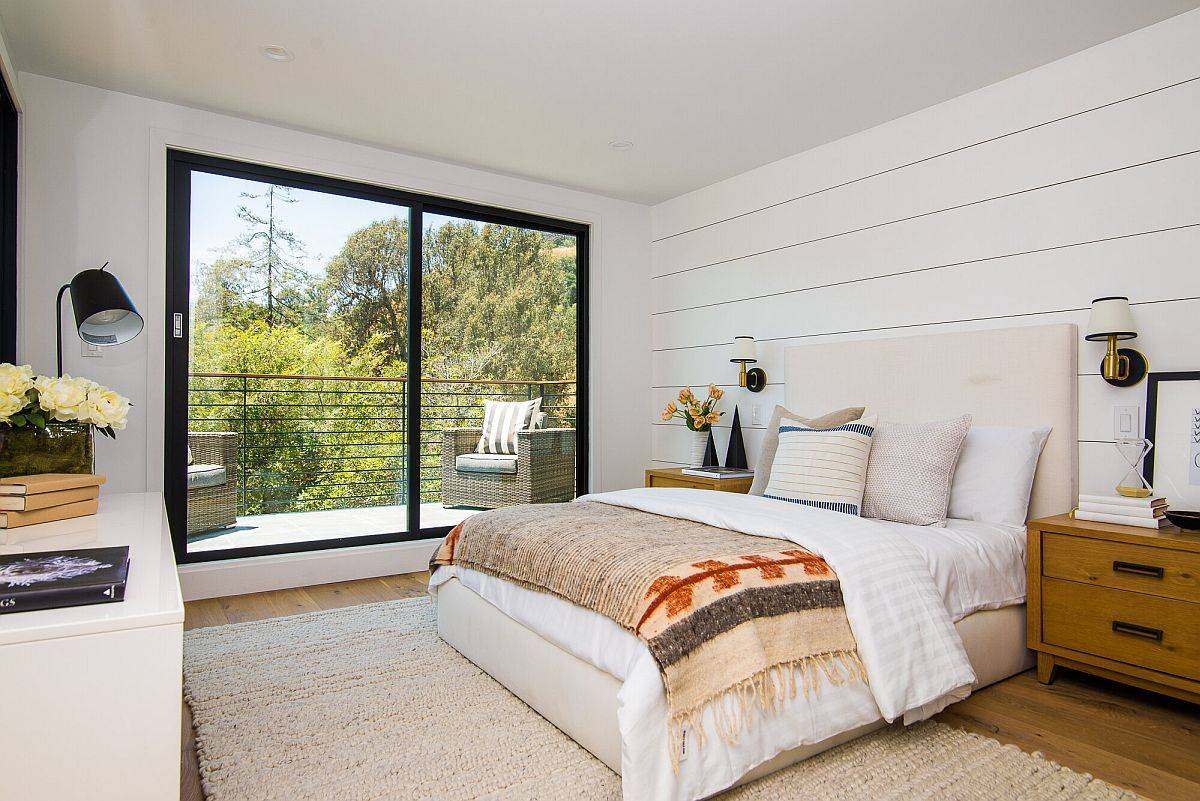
[597,681]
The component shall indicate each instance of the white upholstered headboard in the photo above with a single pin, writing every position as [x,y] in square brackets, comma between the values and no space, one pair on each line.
[1007,377]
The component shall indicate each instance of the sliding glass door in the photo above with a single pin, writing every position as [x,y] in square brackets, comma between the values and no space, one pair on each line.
[501,324]
[321,392]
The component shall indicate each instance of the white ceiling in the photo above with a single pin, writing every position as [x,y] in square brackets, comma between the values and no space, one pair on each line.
[704,88]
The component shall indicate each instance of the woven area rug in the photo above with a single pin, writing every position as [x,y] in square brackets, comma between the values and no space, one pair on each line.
[367,702]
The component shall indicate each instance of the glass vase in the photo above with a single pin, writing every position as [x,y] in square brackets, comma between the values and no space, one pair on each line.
[61,448]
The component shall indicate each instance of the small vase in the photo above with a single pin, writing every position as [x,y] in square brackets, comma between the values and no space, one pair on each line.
[699,445]
[61,448]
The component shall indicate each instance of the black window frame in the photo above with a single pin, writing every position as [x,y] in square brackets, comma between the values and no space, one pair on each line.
[180,165]
[8,224]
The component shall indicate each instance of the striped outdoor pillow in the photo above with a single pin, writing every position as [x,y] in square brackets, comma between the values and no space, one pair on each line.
[822,467]
[501,422]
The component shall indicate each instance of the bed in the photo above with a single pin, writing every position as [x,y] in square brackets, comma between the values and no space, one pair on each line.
[583,672]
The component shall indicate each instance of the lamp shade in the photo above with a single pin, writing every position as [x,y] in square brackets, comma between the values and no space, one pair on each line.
[104,314]
[1110,317]
[744,350]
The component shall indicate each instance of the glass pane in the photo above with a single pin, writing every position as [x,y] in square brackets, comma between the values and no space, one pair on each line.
[298,345]
[498,319]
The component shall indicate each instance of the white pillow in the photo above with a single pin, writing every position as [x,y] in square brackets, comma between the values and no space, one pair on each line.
[995,474]
[911,470]
[822,467]
[501,422]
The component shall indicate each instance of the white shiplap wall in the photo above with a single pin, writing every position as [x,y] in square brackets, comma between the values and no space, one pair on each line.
[1013,205]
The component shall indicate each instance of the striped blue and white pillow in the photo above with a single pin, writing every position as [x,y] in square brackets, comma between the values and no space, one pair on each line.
[501,422]
[822,467]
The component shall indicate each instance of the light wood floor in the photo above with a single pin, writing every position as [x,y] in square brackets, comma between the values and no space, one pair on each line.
[1145,742]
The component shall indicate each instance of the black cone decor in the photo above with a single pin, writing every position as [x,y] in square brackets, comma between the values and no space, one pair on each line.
[710,452]
[735,457]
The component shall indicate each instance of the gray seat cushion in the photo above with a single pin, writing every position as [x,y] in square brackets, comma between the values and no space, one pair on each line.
[205,475]
[486,463]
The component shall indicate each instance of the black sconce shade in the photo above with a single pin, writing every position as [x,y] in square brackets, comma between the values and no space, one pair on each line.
[104,314]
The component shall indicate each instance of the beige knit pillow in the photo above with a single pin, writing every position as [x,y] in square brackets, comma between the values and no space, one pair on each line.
[770,443]
[911,469]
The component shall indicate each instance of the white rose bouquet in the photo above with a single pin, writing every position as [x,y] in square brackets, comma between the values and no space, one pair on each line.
[33,401]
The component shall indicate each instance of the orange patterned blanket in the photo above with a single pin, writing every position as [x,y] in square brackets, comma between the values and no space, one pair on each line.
[735,623]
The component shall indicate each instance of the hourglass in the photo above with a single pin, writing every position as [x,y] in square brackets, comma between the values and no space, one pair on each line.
[1133,484]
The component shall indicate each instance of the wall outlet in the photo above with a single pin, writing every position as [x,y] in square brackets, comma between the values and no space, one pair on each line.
[1127,422]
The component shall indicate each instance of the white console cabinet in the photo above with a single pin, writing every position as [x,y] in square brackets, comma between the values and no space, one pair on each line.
[90,695]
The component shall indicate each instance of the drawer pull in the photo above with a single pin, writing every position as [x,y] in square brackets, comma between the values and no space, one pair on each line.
[1121,627]
[1136,569]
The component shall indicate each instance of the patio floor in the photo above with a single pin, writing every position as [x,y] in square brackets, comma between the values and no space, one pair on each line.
[285,527]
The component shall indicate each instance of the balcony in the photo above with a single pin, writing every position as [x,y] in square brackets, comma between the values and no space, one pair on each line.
[315,457]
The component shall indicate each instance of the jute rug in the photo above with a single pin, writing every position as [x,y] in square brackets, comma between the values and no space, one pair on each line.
[368,703]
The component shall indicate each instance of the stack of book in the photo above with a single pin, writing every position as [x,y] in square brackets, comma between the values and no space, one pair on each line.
[1144,512]
[29,500]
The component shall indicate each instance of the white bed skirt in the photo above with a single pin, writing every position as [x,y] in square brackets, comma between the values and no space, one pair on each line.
[581,699]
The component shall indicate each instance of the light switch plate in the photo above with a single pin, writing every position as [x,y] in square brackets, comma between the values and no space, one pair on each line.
[1127,422]
[756,415]
[89,351]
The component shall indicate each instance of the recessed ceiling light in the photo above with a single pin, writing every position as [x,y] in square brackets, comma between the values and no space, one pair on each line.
[277,53]
[621,144]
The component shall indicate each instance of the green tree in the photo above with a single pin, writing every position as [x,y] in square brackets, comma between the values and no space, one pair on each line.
[497,304]
[273,253]
[367,286]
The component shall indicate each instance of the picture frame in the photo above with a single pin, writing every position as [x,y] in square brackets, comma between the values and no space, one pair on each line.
[1173,426]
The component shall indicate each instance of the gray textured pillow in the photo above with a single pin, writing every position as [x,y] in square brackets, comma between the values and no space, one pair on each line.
[770,443]
[911,470]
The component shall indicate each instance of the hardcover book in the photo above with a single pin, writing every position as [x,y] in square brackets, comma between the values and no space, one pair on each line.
[63,512]
[718,472]
[51,579]
[48,482]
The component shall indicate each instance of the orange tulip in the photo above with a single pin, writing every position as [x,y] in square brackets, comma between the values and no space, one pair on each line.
[716,392]
[669,412]
[713,417]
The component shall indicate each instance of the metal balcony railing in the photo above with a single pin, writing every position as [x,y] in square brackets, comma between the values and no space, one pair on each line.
[313,442]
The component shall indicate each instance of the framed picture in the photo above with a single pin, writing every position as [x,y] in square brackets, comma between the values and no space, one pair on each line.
[1173,425]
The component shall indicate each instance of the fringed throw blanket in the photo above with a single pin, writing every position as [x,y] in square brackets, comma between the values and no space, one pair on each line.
[735,622]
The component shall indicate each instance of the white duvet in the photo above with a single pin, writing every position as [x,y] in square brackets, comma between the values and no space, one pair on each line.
[897,610]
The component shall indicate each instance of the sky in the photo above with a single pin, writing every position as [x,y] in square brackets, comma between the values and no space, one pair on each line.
[321,221]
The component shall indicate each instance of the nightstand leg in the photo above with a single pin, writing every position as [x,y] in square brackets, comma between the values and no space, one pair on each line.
[1045,668]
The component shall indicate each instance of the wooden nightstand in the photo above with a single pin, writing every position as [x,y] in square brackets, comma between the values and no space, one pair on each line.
[674,477]
[1116,601]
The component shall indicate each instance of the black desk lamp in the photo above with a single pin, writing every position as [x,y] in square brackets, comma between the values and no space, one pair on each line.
[104,314]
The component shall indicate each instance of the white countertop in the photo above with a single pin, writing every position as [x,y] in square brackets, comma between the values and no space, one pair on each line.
[152,596]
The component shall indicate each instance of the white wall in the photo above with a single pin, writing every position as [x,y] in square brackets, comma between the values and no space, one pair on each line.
[1013,205]
[93,178]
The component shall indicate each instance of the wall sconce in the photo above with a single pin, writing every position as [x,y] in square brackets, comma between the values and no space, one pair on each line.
[104,314]
[1112,320]
[745,353]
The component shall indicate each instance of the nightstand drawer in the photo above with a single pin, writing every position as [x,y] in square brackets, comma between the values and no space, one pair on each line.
[674,477]
[1157,571]
[1157,633]
[659,481]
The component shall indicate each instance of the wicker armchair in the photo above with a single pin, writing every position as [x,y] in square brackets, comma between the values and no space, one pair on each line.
[545,470]
[211,507]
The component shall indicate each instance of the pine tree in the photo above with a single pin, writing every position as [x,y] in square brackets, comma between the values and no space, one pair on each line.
[273,252]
